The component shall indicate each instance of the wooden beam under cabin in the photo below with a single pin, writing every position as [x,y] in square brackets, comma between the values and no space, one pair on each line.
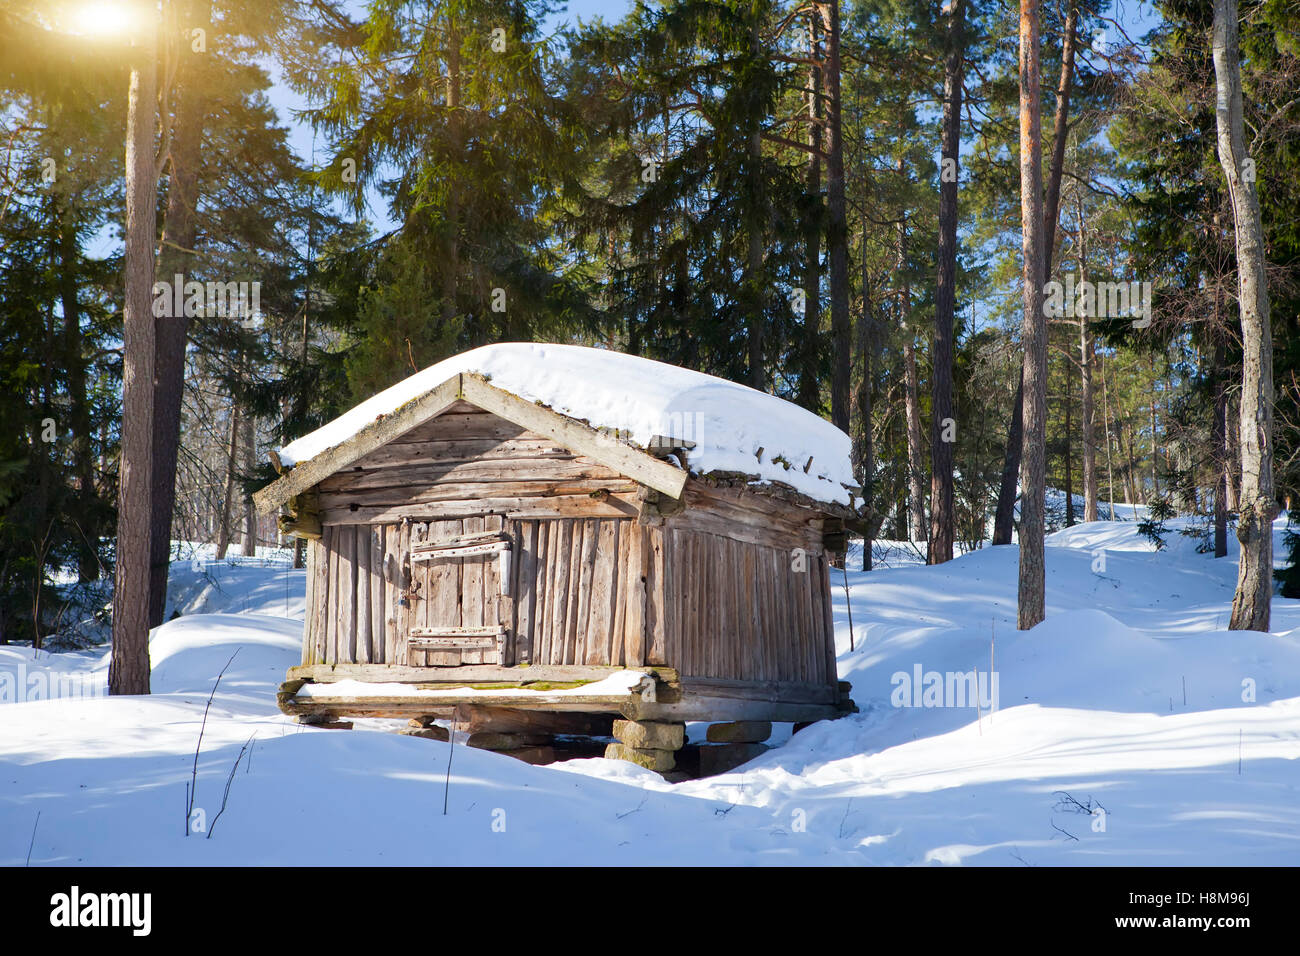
[470,673]
[631,706]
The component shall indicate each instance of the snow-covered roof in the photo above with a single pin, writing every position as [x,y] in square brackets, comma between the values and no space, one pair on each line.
[735,428]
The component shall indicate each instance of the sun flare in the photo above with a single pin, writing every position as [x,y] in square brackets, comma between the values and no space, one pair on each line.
[103,18]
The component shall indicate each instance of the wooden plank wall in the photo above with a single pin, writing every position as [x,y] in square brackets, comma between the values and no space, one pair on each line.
[351,606]
[583,591]
[579,597]
[743,611]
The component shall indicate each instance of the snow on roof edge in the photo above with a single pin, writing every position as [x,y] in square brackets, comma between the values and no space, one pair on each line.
[731,424]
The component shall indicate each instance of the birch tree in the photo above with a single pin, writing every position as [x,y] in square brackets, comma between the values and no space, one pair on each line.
[1251,603]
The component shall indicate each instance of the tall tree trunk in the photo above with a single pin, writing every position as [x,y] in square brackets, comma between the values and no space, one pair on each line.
[1155,481]
[228,497]
[1060,133]
[915,451]
[79,408]
[129,669]
[755,282]
[170,331]
[249,441]
[1069,480]
[1251,603]
[809,393]
[942,432]
[1222,430]
[1033,478]
[1086,412]
[1004,517]
[866,451]
[1110,469]
[1130,469]
[837,232]
[1233,441]
[1005,514]
[1218,440]
[1087,416]
[451,269]
[911,391]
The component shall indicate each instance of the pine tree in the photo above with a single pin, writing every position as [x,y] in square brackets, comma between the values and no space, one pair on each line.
[1031,609]
[450,110]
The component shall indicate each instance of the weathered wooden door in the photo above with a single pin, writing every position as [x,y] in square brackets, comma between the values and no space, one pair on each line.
[458,596]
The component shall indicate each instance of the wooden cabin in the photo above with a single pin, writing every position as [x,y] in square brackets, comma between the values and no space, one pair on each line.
[483,549]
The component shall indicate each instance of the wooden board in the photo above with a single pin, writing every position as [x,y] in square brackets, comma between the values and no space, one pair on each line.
[373,436]
[713,701]
[482,471]
[392,590]
[364,618]
[480,674]
[378,609]
[578,436]
[525,591]
[618,504]
[407,598]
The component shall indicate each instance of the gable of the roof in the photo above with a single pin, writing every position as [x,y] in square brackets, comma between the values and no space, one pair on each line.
[580,437]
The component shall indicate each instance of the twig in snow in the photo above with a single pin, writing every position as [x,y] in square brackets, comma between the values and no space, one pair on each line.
[1068,804]
[229,780]
[194,772]
[33,841]
[847,807]
[451,740]
[1066,832]
[636,809]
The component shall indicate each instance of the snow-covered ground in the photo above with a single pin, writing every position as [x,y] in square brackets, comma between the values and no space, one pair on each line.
[1131,728]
